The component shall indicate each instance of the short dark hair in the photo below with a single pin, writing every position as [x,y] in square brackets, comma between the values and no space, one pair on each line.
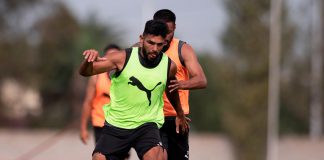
[156,27]
[111,46]
[165,15]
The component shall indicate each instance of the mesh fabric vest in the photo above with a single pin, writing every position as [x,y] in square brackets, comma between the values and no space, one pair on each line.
[137,94]
[181,75]
[101,98]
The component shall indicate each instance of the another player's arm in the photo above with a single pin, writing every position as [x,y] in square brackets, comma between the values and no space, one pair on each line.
[197,76]
[86,109]
[136,44]
[174,99]
[93,64]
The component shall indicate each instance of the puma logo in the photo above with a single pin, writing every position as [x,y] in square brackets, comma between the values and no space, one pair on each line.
[135,82]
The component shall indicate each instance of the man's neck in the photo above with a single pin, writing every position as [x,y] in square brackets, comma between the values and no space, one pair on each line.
[146,62]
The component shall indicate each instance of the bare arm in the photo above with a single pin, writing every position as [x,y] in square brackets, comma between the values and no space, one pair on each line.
[93,64]
[175,101]
[197,76]
[86,108]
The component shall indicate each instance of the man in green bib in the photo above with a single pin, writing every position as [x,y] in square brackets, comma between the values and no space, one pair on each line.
[135,113]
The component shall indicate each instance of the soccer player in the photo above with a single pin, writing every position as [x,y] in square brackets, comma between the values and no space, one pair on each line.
[135,113]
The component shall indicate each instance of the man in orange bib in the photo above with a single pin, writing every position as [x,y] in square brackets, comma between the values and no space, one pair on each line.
[189,75]
[97,95]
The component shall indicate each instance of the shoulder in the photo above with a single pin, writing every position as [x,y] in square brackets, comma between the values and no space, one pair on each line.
[123,59]
[136,44]
[117,54]
[187,49]
[187,54]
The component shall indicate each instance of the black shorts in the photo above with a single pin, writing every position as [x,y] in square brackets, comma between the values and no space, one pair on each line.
[115,142]
[176,144]
[97,132]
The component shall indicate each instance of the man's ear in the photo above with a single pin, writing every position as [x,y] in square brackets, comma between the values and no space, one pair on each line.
[141,39]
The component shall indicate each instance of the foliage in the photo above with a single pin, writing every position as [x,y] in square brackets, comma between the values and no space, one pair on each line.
[246,42]
[47,56]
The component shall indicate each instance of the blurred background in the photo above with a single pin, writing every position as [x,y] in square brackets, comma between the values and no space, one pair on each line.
[239,116]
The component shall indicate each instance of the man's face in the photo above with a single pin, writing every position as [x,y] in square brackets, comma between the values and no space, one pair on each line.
[169,37]
[152,46]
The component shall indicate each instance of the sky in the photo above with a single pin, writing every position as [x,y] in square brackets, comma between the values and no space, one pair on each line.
[199,23]
[303,14]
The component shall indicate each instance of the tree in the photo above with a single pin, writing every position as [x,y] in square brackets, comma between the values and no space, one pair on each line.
[62,40]
[46,56]
[246,41]
[15,47]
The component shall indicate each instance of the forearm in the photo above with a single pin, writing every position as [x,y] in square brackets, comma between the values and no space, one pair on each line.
[86,68]
[85,115]
[194,83]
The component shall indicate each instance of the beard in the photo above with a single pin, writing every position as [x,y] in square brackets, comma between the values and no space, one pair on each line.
[146,55]
[151,62]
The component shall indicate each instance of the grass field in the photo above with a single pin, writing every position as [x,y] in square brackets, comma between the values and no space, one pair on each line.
[51,145]
[45,144]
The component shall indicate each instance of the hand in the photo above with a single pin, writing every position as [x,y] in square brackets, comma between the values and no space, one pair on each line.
[175,84]
[183,122]
[92,55]
[84,136]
